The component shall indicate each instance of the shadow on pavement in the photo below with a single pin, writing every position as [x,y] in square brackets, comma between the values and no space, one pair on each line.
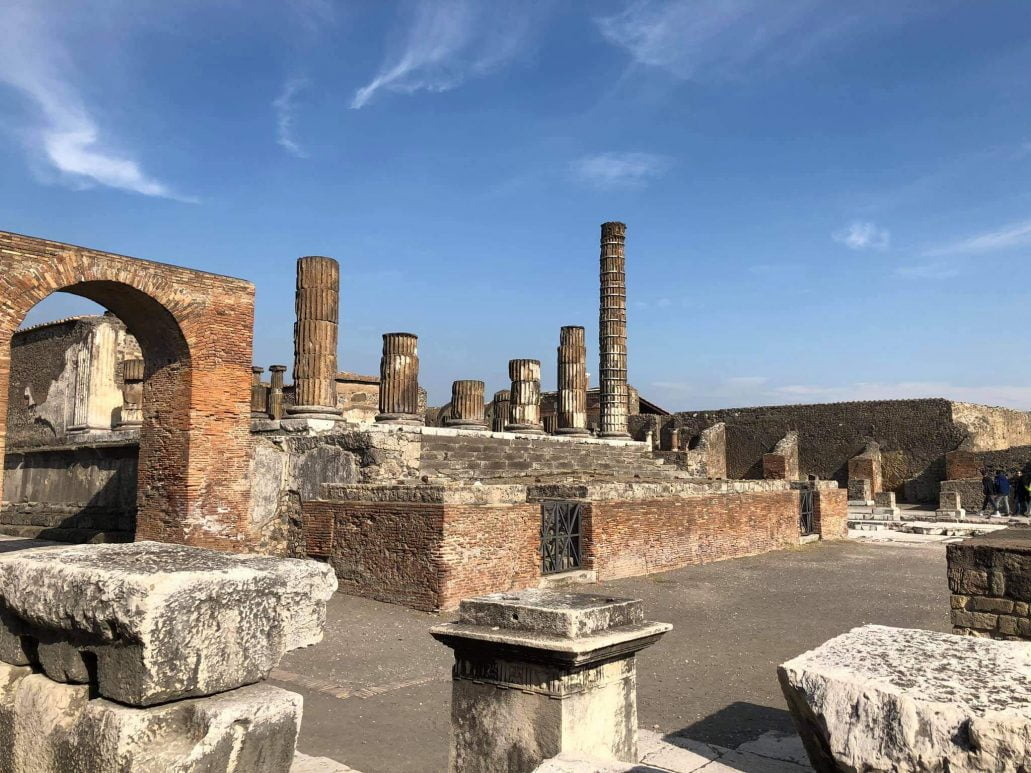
[738,723]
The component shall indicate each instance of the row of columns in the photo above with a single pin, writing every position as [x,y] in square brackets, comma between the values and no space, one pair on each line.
[518,409]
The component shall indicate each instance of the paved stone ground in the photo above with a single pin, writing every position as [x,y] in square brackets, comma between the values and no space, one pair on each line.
[377,689]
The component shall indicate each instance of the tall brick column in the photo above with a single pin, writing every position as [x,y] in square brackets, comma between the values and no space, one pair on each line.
[259,394]
[500,410]
[467,405]
[612,337]
[399,380]
[525,405]
[572,382]
[275,395]
[315,338]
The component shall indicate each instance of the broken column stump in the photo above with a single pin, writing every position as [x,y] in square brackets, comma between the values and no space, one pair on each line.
[540,673]
[467,407]
[524,408]
[149,657]
[879,698]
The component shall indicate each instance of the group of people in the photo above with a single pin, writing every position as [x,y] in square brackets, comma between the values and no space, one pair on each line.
[998,486]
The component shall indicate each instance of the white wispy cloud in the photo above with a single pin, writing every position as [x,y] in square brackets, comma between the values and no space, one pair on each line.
[860,235]
[1014,235]
[284,107]
[619,170]
[448,42]
[717,39]
[1008,395]
[65,133]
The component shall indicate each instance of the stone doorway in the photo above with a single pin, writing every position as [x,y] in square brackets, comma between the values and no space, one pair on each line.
[195,333]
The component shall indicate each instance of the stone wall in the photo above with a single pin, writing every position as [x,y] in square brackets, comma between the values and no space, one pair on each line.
[990,580]
[914,436]
[73,494]
[990,428]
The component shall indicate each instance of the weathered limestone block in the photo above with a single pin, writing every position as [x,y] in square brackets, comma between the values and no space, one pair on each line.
[894,699]
[950,505]
[539,673]
[47,727]
[153,622]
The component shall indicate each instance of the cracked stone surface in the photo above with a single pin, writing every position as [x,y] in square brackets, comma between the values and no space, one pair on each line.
[48,727]
[879,698]
[149,622]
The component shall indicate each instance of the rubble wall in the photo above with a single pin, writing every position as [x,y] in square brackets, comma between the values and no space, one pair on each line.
[990,580]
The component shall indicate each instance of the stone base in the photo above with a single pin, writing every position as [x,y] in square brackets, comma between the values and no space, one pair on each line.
[46,727]
[308,424]
[409,419]
[574,431]
[461,424]
[879,698]
[951,515]
[525,429]
[888,513]
[614,435]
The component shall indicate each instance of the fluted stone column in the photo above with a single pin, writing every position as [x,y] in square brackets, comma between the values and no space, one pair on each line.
[275,395]
[95,395]
[259,394]
[467,405]
[525,405]
[612,339]
[572,382]
[399,380]
[500,410]
[315,338]
[132,394]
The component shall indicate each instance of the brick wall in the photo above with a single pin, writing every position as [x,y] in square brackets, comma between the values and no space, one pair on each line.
[990,580]
[195,331]
[631,538]
[830,513]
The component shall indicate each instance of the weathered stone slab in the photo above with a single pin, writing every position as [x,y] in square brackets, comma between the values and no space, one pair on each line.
[562,614]
[879,698]
[150,622]
[47,727]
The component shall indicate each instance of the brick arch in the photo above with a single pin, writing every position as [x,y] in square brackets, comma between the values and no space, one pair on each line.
[196,331]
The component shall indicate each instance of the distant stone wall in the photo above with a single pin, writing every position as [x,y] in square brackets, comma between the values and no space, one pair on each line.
[914,436]
[990,428]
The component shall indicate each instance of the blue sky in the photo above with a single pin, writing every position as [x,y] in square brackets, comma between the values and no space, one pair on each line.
[825,200]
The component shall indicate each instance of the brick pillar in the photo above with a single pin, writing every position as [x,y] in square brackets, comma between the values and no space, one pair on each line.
[500,411]
[275,395]
[467,405]
[399,380]
[612,339]
[315,338]
[572,382]
[259,394]
[132,394]
[525,405]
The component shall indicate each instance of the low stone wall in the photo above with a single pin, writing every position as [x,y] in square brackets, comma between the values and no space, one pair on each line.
[990,580]
[971,495]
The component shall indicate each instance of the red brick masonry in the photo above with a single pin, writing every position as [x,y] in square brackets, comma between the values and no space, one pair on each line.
[195,330]
[430,556]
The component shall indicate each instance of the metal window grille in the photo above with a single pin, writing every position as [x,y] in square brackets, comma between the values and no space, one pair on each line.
[806,518]
[560,536]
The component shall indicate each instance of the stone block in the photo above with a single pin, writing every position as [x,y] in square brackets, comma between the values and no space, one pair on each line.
[539,673]
[986,604]
[879,698]
[884,499]
[149,622]
[48,727]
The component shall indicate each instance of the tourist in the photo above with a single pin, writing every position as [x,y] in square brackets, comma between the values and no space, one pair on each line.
[988,487]
[1020,493]
[1002,493]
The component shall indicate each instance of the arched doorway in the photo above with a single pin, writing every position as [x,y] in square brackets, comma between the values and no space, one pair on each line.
[195,332]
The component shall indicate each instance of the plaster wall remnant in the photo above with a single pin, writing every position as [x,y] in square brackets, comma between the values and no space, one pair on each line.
[572,382]
[399,380]
[539,673]
[467,405]
[500,410]
[195,333]
[525,397]
[317,306]
[612,332]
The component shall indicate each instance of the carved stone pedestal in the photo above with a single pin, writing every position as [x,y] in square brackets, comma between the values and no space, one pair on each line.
[539,673]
